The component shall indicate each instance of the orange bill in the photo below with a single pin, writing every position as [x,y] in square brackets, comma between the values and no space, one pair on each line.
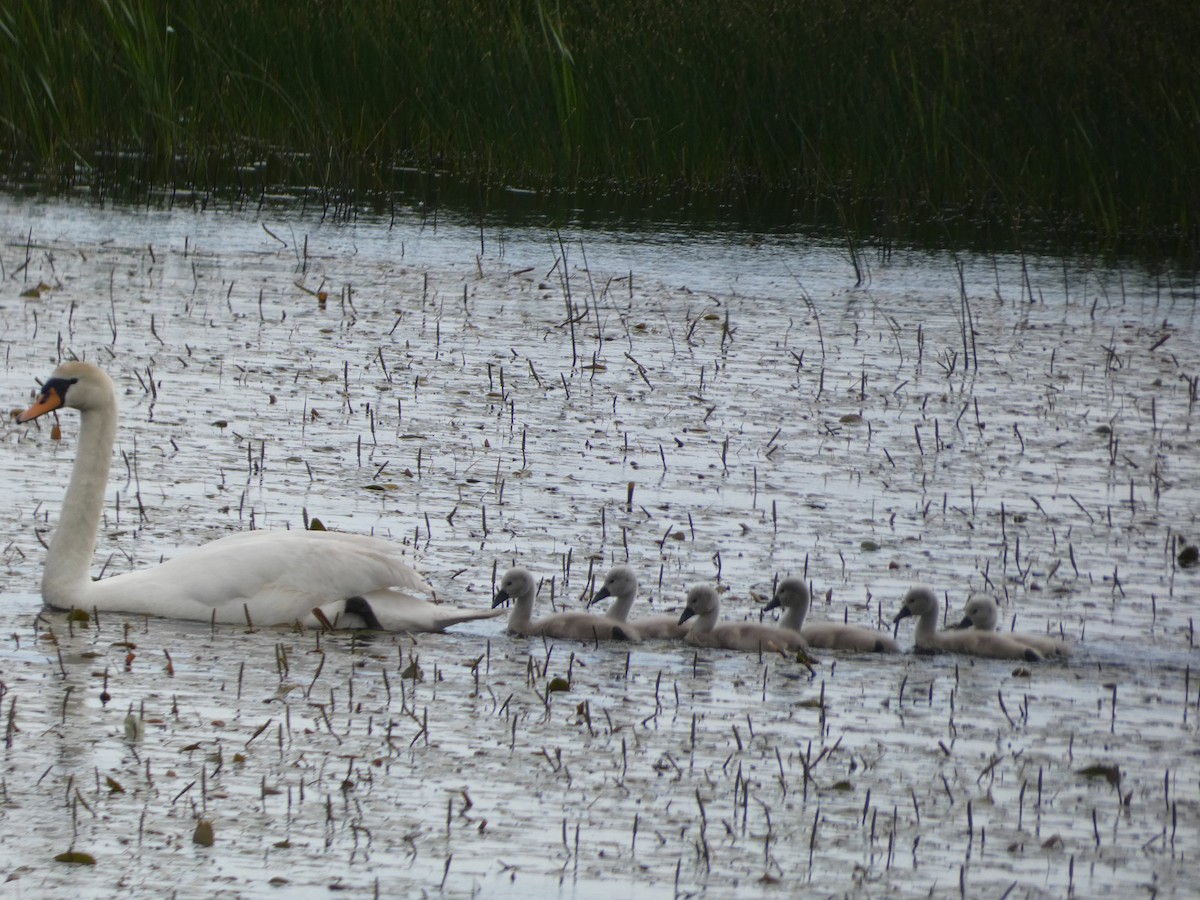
[50,399]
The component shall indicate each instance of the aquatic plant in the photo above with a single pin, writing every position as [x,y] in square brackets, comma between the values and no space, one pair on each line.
[1079,117]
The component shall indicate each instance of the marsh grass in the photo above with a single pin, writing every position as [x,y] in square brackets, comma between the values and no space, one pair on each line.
[1079,115]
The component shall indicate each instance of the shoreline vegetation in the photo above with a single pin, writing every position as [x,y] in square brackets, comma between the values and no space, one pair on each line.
[1078,120]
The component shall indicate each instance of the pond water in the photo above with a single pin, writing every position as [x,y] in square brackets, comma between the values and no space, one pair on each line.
[706,406]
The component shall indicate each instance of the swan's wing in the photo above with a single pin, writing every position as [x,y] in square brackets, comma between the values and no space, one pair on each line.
[661,627]
[581,626]
[755,637]
[276,577]
[1043,644]
[832,636]
[990,644]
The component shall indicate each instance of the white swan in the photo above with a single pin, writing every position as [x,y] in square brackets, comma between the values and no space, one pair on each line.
[519,586]
[621,584]
[923,603]
[270,577]
[704,605]
[982,614]
[791,595]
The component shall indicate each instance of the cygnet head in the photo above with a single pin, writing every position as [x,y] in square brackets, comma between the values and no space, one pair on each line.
[702,601]
[918,602]
[517,584]
[78,385]
[790,593]
[980,613]
[621,582]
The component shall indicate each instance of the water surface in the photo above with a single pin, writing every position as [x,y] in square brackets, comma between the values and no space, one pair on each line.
[1023,426]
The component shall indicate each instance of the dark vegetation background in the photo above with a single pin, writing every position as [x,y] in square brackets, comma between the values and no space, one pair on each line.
[1076,117]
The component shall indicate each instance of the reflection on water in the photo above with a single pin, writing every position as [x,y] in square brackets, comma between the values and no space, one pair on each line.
[1022,426]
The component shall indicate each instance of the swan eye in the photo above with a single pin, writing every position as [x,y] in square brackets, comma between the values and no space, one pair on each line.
[58,387]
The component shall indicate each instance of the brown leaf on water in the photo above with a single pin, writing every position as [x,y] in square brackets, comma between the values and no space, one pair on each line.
[76,857]
[203,835]
[1111,774]
[413,671]
[114,786]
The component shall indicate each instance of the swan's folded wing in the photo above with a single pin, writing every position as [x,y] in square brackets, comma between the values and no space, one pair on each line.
[276,577]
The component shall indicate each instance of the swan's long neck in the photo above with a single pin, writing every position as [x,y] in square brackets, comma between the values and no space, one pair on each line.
[794,615]
[522,612]
[927,623]
[66,580]
[707,621]
[621,605]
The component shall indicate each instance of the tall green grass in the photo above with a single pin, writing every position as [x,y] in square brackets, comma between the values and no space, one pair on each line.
[1069,114]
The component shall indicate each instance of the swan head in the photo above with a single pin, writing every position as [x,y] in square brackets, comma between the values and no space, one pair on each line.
[78,385]
[790,593]
[980,613]
[918,602]
[621,581]
[702,601]
[517,584]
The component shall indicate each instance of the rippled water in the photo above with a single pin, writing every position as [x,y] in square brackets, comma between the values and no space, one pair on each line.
[770,417]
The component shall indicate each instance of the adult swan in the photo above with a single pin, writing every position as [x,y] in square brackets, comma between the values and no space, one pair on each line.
[271,577]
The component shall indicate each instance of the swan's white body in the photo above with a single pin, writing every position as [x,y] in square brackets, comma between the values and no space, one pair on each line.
[982,614]
[704,606]
[621,584]
[266,577]
[922,603]
[791,595]
[519,586]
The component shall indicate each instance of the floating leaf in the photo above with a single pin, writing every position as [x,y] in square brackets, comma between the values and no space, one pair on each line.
[77,857]
[79,615]
[1111,774]
[851,419]
[203,835]
[134,729]
[1189,556]
[413,671]
[114,786]
[558,684]
[37,290]
[869,546]
[283,690]
[843,786]
[315,524]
